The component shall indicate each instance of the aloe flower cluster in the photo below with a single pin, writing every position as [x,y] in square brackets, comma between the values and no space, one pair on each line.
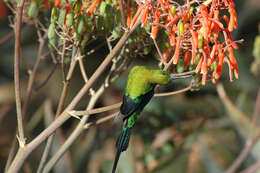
[196,33]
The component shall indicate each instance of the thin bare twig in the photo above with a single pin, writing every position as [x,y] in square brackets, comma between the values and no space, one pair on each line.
[25,64]
[82,70]
[11,154]
[101,120]
[6,38]
[95,111]
[159,52]
[256,112]
[33,74]
[252,140]
[174,92]
[183,74]
[122,13]
[242,156]
[18,25]
[45,81]
[62,59]
[252,169]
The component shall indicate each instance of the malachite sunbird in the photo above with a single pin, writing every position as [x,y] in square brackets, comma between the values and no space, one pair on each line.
[139,90]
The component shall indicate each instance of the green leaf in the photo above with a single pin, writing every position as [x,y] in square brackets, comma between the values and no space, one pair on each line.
[62,17]
[69,20]
[80,25]
[33,10]
[54,14]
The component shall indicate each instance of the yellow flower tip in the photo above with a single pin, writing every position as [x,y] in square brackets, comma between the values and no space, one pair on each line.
[217,76]
[214,80]
[236,74]
[153,37]
[204,79]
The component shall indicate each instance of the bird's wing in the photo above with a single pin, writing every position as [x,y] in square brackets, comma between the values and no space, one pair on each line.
[129,106]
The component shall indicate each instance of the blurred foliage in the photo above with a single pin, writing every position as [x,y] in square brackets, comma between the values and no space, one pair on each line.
[194,132]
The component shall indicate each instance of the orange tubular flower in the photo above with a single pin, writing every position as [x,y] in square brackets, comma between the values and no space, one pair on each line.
[204,67]
[141,7]
[204,79]
[165,54]
[176,55]
[233,18]
[162,4]
[212,54]
[226,19]
[92,7]
[172,37]
[230,68]
[234,45]
[220,63]
[46,3]
[205,22]
[155,28]
[187,57]
[145,16]
[199,65]
[233,61]
[57,2]
[129,18]
[194,30]
[194,38]
[194,44]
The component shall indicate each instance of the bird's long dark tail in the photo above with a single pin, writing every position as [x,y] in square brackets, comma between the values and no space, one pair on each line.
[121,144]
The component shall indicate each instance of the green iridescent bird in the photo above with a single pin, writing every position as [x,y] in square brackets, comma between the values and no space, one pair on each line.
[139,90]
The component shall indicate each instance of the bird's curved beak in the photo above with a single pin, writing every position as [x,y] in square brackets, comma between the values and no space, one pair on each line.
[176,76]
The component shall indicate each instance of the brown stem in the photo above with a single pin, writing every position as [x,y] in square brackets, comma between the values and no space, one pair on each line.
[6,38]
[17,28]
[252,169]
[252,138]
[122,13]
[159,52]
[11,154]
[25,64]
[95,111]
[82,70]
[101,120]
[33,74]
[174,92]
[242,156]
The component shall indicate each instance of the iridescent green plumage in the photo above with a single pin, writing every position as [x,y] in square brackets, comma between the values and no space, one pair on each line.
[138,92]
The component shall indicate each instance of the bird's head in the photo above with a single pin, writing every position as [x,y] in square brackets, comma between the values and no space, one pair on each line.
[160,77]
